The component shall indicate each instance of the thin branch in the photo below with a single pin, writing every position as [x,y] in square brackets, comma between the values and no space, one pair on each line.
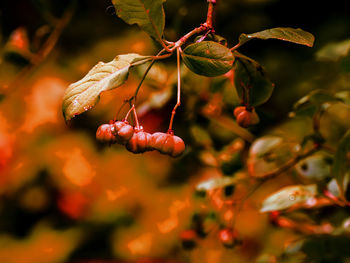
[301,227]
[183,40]
[289,164]
[178,90]
[143,78]
[154,58]
[209,21]
[236,46]
[137,125]
[46,48]
[128,113]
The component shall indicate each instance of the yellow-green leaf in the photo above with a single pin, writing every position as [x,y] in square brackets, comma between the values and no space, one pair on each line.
[85,93]
[288,197]
[297,35]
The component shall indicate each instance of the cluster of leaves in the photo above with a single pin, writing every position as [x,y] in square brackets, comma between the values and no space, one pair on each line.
[208,57]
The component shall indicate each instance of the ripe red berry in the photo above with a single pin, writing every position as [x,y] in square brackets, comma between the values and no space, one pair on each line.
[104,134]
[139,142]
[167,143]
[228,237]
[246,118]
[123,131]
[179,146]
[238,110]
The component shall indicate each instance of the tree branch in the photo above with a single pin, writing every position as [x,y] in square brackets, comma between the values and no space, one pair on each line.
[46,48]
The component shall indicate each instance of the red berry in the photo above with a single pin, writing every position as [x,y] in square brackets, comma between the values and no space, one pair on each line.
[104,134]
[244,119]
[247,118]
[123,131]
[228,237]
[179,146]
[238,110]
[139,142]
[157,141]
[167,143]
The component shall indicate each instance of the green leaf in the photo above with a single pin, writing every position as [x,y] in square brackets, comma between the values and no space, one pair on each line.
[344,96]
[251,82]
[208,58]
[147,14]
[339,168]
[334,51]
[288,197]
[85,93]
[312,102]
[297,36]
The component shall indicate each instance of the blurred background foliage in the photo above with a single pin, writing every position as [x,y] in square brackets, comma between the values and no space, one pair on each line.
[66,198]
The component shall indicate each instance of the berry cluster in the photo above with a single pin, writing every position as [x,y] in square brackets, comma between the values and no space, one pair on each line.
[136,140]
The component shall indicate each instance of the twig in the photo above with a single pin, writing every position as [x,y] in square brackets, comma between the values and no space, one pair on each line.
[207,26]
[46,48]
[128,113]
[304,228]
[209,21]
[154,58]
[137,125]
[289,164]
[178,89]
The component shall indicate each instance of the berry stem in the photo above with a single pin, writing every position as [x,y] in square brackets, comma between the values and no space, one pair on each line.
[120,109]
[137,125]
[154,58]
[128,113]
[178,89]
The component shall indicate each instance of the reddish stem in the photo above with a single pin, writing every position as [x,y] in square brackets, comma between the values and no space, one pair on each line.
[137,125]
[209,21]
[178,90]
[207,26]
[128,113]
[45,49]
